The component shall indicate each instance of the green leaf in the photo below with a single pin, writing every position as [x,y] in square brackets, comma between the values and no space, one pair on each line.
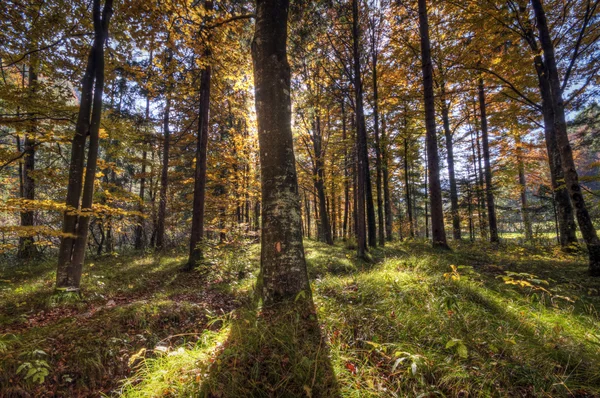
[462,350]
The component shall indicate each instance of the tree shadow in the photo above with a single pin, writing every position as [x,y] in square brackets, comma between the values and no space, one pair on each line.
[273,352]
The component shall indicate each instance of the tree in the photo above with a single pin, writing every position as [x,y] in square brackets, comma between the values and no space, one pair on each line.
[201,154]
[79,204]
[489,188]
[435,189]
[566,154]
[283,274]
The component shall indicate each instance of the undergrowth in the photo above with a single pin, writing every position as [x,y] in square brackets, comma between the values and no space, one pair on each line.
[477,321]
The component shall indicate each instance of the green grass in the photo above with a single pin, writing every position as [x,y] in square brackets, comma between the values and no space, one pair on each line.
[476,321]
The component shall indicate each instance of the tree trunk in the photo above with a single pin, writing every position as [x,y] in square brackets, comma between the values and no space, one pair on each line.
[450,159]
[566,218]
[435,189]
[523,184]
[319,176]
[480,188]
[283,273]
[346,175]
[489,188]
[387,202]
[164,178]
[566,154]
[378,162]
[409,207]
[362,156]
[27,249]
[200,173]
[73,243]
[140,232]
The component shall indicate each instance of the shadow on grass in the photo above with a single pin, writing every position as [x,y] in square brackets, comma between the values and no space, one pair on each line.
[275,352]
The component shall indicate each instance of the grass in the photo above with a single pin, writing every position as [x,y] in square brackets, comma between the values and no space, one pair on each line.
[476,321]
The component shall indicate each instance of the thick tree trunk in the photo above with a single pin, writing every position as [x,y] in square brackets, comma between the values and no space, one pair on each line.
[450,159]
[164,178]
[362,156]
[489,188]
[435,189]
[283,273]
[566,219]
[566,154]
[75,227]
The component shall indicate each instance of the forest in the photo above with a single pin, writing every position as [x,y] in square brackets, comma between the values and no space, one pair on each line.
[287,198]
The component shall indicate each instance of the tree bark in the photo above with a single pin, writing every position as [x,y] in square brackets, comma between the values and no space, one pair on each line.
[409,207]
[450,159]
[283,273]
[140,232]
[566,154]
[387,202]
[362,156]
[200,172]
[319,182]
[75,226]
[378,160]
[435,190]
[27,249]
[523,183]
[489,188]
[566,219]
[164,178]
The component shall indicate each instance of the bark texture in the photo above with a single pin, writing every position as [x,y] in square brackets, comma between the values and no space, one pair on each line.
[566,153]
[79,204]
[283,272]
[438,233]
[489,186]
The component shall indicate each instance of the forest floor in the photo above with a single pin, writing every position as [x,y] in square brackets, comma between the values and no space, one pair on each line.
[476,321]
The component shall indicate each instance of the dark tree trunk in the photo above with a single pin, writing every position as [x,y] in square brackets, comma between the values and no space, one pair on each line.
[450,159]
[489,187]
[283,273]
[346,175]
[319,176]
[566,154]
[363,179]
[164,178]
[480,190]
[435,189]
[75,227]
[566,218]
[387,202]
[27,249]
[200,172]
[378,160]
[409,207]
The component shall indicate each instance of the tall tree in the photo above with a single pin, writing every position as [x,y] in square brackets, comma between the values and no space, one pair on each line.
[79,204]
[489,187]
[283,272]
[435,189]
[566,153]
[201,155]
